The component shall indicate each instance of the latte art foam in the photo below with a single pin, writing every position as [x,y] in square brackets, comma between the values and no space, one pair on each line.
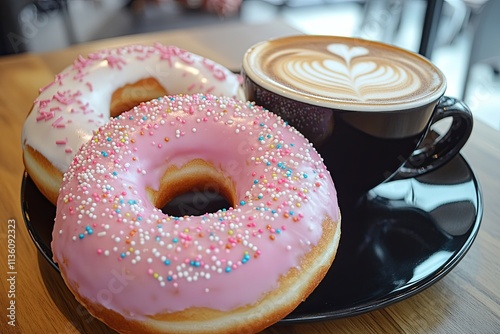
[325,71]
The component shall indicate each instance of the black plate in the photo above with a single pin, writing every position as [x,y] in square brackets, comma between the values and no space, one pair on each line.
[399,239]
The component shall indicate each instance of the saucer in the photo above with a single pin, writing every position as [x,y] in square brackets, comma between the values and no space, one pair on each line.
[399,239]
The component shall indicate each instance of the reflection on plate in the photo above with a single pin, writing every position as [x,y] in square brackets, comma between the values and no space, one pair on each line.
[399,239]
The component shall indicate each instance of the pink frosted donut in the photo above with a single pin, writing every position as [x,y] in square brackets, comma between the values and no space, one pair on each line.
[239,269]
[84,96]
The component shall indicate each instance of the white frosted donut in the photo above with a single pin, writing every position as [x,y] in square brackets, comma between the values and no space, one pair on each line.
[237,270]
[84,96]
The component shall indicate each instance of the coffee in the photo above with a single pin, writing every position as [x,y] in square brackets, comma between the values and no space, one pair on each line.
[344,73]
[366,106]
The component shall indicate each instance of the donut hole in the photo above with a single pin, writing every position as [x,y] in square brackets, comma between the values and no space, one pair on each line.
[194,189]
[196,203]
[130,95]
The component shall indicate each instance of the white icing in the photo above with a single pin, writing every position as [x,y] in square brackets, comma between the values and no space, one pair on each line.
[77,102]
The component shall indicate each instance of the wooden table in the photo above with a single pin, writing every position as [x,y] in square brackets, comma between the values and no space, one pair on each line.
[467,300]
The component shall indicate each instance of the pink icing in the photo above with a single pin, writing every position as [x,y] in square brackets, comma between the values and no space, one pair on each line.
[120,251]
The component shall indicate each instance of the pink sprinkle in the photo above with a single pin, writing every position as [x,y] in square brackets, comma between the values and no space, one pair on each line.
[68,150]
[219,74]
[115,62]
[208,64]
[57,121]
[59,78]
[191,87]
[62,141]
[49,115]
[43,103]
[89,85]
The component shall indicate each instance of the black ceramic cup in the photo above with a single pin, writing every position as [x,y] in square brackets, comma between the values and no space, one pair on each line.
[366,106]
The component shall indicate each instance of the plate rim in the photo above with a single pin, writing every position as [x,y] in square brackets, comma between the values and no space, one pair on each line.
[395,296]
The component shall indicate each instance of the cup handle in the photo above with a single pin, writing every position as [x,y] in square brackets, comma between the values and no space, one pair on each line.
[435,151]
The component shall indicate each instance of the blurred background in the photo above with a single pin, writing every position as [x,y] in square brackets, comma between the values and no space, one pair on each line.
[462,37]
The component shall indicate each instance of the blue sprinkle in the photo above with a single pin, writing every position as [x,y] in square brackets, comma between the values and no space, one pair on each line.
[255,181]
[104,154]
[242,202]
[169,278]
[305,175]
[122,255]
[228,269]
[115,173]
[166,262]
[81,236]
[131,118]
[175,240]
[245,259]
[144,118]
